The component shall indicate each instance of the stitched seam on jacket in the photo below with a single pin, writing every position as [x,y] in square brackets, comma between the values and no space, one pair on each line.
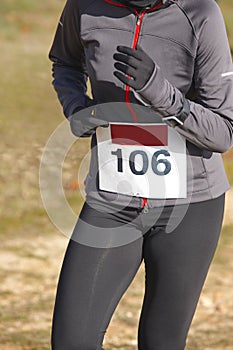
[188,18]
[207,176]
[172,40]
[109,28]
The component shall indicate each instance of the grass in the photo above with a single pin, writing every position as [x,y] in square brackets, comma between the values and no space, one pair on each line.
[32,250]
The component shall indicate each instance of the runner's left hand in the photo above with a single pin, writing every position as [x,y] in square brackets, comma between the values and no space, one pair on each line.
[134,67]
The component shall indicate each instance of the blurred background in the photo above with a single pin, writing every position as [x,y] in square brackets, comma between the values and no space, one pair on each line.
[32,248]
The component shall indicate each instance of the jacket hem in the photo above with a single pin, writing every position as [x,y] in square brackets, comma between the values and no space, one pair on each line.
[122,201]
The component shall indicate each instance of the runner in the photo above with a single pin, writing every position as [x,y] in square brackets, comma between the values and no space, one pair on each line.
[149,62]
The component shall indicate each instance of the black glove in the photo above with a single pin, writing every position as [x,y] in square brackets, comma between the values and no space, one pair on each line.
[83,123]
[136,65]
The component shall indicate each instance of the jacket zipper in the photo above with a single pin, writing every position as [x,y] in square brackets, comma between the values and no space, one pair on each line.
[135,41]
[144,203]
[140,16]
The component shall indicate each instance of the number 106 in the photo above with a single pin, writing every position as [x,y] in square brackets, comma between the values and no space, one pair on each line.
[156,163]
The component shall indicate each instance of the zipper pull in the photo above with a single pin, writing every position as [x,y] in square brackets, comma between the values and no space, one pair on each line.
[145,207]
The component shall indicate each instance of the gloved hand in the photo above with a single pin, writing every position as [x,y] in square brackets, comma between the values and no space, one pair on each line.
[134,67]
[83,122]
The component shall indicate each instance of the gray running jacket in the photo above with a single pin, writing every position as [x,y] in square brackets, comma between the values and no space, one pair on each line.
[187,41]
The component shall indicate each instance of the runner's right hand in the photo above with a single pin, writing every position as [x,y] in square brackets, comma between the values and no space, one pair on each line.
[83,123]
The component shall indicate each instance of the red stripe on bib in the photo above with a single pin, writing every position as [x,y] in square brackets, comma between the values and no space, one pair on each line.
[144,135]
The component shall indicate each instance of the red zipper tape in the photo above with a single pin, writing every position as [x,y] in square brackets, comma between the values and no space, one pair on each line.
[135,42]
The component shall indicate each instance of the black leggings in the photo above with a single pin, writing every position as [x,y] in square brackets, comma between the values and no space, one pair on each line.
[93,279]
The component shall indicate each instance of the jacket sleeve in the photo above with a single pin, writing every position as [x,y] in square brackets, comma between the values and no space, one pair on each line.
[67,54]
[210,123]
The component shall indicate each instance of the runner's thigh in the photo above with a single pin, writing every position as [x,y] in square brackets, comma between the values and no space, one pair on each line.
[176,266]
[91,283]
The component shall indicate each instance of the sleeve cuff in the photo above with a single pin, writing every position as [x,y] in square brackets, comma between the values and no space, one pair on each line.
[161,95]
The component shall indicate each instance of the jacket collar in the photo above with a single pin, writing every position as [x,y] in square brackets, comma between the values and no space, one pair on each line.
[122,3]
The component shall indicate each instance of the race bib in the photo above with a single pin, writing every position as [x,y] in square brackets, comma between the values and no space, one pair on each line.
[142,160]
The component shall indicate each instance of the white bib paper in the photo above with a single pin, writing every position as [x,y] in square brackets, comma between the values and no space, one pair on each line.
[143,160]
